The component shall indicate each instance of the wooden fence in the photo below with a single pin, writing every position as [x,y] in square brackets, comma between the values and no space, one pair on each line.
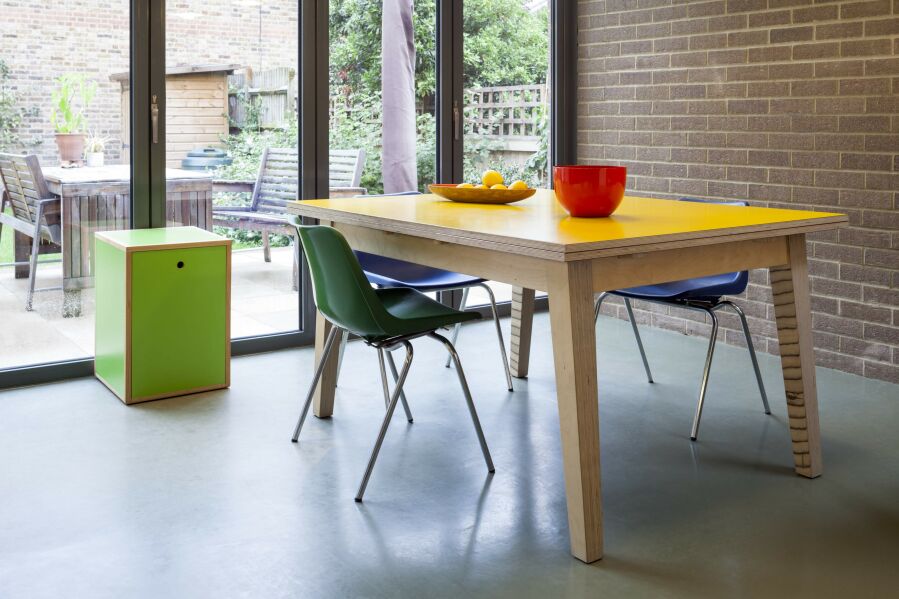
[273,91]
[510,111]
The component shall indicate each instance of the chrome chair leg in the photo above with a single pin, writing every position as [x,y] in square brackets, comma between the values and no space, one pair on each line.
[391,407]
[705,374]
[630,315]
[471,409]
[598,304]
[755,362]
[396,377]
[458,325]
[329,343]
[499,335]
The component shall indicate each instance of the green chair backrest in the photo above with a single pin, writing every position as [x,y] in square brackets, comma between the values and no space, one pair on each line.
[340,289]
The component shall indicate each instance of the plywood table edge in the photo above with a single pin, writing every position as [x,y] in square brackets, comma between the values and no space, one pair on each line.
[574,251]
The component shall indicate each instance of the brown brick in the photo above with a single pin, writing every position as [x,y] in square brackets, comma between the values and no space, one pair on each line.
[864,312]
[839,30]
[842,68]
[792,34]
[857,10]
[881,143]
[769,17]
[712,41]
[748,106]
[816,13]
[706,9]
[749,73]
[865,237]
[880,219]
[767,89]
[670,44]
[840,180]
[816,50]
[839,142]
[791,141]
[746,5]
[866,162]
[883,372]
[869,275]
[882,66]
[839,105]
[864,124]
[865,349]
[882,27]
[799,70]
[769,53]
[865,47]
[884,258]
[882,104]
[689,59]
[864,87]
[717,57]
[884,334]
[821,160]
[747,38]
[836,288]
[815,123]
[791,176]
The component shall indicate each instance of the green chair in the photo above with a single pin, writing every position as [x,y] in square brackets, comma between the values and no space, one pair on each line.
[384,318]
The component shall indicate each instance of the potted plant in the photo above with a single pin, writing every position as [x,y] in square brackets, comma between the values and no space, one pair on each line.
[69,100]
[94,146]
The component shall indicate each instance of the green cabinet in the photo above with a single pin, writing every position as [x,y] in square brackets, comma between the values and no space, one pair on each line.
[163,312]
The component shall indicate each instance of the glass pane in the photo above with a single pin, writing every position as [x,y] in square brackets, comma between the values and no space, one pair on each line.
[231,145]
[382,123]
[64,121]
[506,97]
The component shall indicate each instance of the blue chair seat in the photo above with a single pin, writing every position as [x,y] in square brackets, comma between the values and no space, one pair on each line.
[701,288]
[407,274]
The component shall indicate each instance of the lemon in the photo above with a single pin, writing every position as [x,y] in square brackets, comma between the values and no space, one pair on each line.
[491,178]
[519,185]
[466,185]
[481,186]
[498,186]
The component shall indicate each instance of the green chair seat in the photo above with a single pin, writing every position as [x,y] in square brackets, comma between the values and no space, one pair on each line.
[417,313]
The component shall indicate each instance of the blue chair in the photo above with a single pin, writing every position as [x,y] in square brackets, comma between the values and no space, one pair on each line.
[390,273]
[704,295]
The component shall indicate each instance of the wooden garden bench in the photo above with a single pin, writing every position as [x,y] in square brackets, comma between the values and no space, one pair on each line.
[276,184]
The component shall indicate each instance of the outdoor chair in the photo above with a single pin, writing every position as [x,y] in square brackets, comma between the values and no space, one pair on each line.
[35,211]
[388,273]
[384,318]
[276,184]
[703,294]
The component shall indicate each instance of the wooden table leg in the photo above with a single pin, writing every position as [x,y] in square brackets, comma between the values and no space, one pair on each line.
[792,309]
[522,324]
[323,401]
[574,352]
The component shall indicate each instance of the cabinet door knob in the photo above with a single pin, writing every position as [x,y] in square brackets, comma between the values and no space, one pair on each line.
[180,264]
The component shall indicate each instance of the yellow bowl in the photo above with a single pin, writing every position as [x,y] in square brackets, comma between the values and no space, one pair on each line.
[471,195]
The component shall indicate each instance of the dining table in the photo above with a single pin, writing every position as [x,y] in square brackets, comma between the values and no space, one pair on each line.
[535,245]
[99,199]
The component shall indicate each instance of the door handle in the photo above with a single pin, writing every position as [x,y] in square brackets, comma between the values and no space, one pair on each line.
[154,119]
[456,119]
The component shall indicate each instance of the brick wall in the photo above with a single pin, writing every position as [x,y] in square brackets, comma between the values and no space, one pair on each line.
[786,103]
[42,39]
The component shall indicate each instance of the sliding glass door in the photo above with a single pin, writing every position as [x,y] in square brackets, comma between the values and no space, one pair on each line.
[230,131]
[65,163]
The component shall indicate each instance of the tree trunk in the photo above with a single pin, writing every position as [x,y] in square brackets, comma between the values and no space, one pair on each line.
[399,164]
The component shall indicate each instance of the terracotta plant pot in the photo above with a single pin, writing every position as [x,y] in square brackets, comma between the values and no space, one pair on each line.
[71,146]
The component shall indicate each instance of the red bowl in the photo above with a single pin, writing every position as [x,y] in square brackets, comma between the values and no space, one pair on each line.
[589,191]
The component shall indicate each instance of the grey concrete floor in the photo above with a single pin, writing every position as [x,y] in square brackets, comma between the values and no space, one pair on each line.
[205,496]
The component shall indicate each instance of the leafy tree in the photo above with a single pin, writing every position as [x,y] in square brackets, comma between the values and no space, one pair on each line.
[504,44]
[11,114]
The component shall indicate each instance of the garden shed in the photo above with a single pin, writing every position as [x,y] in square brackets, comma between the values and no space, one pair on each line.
[197,109]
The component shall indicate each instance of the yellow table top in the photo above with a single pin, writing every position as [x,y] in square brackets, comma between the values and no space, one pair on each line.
[540,223]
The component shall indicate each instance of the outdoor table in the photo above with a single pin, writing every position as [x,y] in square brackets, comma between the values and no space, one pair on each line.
[534,244]
[99,199]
